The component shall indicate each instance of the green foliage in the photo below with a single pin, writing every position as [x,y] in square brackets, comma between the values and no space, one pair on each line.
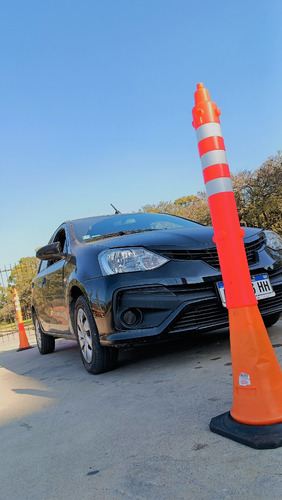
[258,197]
[7,308]
[2,297]
[21,277]
[189,207]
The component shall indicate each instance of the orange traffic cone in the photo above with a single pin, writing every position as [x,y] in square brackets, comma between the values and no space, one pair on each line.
[24,343]
[256,416]
[257,397]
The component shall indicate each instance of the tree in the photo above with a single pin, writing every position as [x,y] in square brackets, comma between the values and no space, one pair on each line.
[190,207]
[240,182]
[263,195]
[2,297]
[21,277]
[7,308]
[258,197]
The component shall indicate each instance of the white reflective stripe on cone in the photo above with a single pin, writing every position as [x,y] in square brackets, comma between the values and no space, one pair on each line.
[213,158]
[208,130]
[219,185]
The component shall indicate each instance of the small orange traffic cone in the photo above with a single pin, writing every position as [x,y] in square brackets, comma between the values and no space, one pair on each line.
[24,343]
[256,416]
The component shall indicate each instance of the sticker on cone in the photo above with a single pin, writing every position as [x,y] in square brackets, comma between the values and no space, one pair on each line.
[244,379]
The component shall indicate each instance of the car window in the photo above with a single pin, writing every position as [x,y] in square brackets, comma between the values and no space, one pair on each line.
[93,227]
[61,237]
[42,266]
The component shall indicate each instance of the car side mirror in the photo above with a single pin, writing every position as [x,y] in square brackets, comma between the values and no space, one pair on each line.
[50,252]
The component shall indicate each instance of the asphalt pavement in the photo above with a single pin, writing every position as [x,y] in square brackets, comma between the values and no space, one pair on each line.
[139,432]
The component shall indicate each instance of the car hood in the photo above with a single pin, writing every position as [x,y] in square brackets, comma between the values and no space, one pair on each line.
[198,237]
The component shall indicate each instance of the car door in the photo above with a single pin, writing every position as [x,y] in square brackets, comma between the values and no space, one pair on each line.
[53,289]
[38,293]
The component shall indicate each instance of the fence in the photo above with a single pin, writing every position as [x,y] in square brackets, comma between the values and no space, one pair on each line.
[20,276]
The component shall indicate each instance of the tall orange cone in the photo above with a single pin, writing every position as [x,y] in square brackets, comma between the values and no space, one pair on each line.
[256,416]
[24,343]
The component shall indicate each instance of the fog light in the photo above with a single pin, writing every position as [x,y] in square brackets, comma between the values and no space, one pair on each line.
[131,317]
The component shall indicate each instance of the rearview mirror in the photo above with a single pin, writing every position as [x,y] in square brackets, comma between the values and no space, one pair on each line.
[50,252]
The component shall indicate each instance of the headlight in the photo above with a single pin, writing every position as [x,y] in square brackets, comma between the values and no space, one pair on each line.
[273,240]
[129,260]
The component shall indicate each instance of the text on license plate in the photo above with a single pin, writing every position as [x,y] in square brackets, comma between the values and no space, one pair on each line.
[261,286]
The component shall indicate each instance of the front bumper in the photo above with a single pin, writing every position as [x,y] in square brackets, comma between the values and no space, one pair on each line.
[190,317]
[166,303]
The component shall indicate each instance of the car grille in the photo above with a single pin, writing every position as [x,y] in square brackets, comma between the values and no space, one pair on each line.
[209,314]
[201,316]
[210,256]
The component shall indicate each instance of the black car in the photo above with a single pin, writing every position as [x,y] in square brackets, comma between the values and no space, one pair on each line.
[126,279]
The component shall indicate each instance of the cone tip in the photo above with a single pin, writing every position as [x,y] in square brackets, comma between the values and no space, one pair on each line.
[200,86]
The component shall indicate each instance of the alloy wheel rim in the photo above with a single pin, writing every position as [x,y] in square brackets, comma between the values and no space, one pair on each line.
[84,335]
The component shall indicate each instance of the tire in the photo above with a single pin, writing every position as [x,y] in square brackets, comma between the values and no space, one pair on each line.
[271,319]
[45,343]
[96,359]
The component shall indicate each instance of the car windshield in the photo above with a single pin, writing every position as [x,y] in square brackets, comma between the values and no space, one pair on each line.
[97,227]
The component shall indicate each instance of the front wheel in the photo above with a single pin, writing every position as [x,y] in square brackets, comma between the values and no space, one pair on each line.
[96,359]
[271,319]
[45,343]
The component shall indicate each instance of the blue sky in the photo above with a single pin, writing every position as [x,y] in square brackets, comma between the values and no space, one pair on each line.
[96,100]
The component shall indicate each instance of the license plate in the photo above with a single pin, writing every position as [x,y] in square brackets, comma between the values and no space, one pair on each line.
[261,286]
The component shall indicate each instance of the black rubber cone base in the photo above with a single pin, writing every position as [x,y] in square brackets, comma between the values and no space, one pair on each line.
[261,437]
[24,348]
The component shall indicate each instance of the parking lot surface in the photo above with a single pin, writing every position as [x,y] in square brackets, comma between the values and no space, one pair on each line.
[139,432]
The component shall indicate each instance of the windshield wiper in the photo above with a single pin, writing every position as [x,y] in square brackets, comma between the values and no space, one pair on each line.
[118,233]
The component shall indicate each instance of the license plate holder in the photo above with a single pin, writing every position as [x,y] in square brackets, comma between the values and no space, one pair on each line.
[261,285]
